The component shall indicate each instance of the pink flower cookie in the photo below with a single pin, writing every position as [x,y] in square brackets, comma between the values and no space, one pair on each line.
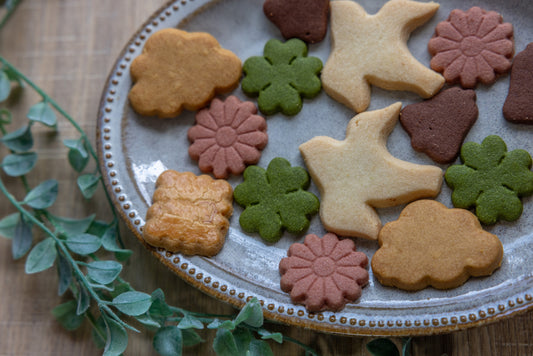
[227,136]
[323,273]
[472,46]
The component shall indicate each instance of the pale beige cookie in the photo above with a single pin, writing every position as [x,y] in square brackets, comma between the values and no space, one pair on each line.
[372,49]
[431,245]
[189,213]
[359,174]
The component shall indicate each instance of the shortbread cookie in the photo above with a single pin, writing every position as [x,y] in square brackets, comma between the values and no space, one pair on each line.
[472,46]
[227,136]
[518,107]
[359,174]
[491,179]
[303,19]
[323,273]
[438,126]
[282,77]
[189,213]
[181,70]
[431,245]
[372,49]
[275,200]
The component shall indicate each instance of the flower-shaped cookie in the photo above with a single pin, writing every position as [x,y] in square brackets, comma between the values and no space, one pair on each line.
[179,70]
[431,245]
[323,273]
[282,76]
[472,46]
[275,199]
[491,179]
[227,136]
[189,213]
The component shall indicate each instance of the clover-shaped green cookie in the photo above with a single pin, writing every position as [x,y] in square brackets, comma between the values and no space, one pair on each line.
[282,76]
[491,179]
[275,199]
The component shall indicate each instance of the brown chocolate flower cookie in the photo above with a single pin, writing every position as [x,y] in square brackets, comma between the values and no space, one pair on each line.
[518,107]
[303,19]
[438,126]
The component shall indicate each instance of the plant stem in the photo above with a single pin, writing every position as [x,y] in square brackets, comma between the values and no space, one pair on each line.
[9,12]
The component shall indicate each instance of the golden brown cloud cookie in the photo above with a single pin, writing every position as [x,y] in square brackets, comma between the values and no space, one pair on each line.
[189,213]
[372,49]
[431,245]
[359,174]
[178,70]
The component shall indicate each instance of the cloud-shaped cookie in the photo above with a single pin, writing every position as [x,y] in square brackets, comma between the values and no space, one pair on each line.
[178,70]
[431,245]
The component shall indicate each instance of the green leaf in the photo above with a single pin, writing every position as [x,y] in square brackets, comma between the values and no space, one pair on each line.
[159,307]
[133,303]
[77,154]
[64,271]
[382,347]
[42,256]
[117,338]
[70,227]
[8,225]
[224,343]
[217,324]
[104,272]
[84,300]
[168,341]
[98,228]
[22,239]
[190,322]
[406,348]
[66,315]
[251,314]
[109,242]
[259,348]
[242,337]
[18,164]
[147,321]
[83,244]
[88,183]
[266,335]
[42,196]
[5,86]
[191,337]
[5,117]
[120,288]
[20,140]
[43,113]
[98,333]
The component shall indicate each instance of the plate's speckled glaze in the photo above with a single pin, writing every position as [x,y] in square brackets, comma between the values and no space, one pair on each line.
[133,150]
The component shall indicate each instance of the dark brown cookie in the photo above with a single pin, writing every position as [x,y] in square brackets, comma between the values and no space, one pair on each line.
[518,106]
[439,125]
[303,19]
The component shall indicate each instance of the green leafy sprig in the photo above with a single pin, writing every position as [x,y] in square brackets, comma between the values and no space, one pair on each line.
[73,245]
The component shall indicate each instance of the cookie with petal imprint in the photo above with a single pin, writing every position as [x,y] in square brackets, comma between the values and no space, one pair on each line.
[227,136]
[372,50]
[439,125]
[518,106]
[431,245]
[472,46]
[323,273]
[359,174]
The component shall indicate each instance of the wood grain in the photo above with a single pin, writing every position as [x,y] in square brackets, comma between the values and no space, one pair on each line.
[68,48]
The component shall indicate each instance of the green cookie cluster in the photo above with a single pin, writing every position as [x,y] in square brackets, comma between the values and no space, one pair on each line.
[491,179]
[275,199]
[282,76]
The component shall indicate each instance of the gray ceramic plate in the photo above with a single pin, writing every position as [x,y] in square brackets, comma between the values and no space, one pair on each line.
[134,150]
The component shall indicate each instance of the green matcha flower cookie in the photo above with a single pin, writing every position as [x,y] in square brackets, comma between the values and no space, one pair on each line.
[491,179]
[282,77]
[275,199]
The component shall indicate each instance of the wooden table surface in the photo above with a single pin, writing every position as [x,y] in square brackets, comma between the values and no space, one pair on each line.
[68,48]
